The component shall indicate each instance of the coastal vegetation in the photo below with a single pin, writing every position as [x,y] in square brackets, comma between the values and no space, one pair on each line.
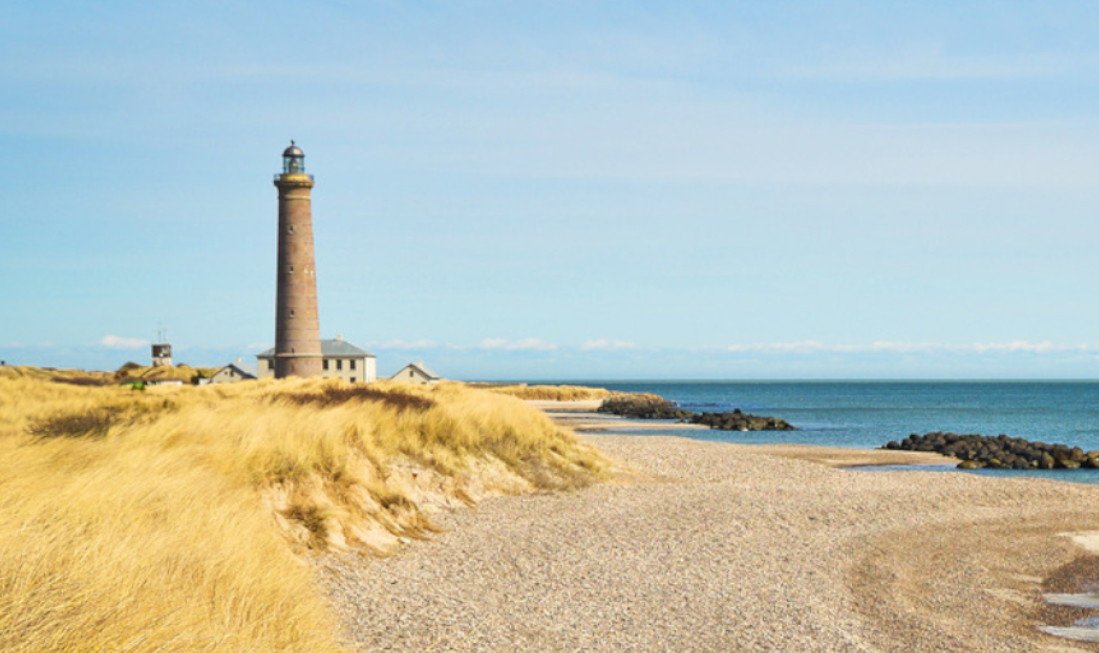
[184,518]
[999,452]
[642,406]
[127,373]
[550,392]
[185,373]
[650,406]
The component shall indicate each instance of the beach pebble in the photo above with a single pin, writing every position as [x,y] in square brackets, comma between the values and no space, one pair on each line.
[711,547]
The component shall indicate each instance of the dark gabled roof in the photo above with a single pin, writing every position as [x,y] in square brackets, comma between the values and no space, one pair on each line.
[423,368]
[243,368]
[340,347]
[335,348]
[419,365]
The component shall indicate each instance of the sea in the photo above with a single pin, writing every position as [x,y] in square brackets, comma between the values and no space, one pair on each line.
[868,414]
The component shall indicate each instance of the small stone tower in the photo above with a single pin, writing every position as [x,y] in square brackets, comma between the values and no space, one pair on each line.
[297,325]
[162,354]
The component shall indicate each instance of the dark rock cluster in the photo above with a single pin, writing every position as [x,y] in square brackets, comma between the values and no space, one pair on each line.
[999,452]
[738,421]
[646,406]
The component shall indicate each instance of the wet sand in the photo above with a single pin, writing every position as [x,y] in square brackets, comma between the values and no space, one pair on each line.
[581,417]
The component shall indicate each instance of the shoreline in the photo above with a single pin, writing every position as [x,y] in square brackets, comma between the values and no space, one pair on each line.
[580,416]
[719,546]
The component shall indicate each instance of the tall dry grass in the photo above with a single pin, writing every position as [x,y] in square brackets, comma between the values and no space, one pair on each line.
[551,392]
[181,372]
[177,519]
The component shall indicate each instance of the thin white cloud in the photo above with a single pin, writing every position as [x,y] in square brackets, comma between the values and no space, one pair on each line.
[794,347]
[120,342]
[407,344]
[932,62]
[606,344]
[884,346]
[526,344]
[904,347]
[1016,345]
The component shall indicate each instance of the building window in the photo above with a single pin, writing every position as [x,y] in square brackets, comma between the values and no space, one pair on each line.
[270,364]
[326,364]
[339,364]
[352,379]
[352,364]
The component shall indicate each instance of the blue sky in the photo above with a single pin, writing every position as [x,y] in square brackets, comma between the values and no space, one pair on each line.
[562,189]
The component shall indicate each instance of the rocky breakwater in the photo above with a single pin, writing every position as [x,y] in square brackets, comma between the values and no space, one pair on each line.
[738,421]
[646,406]
[999,452]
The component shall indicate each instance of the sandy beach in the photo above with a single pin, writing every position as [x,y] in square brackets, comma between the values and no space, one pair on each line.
[707,546]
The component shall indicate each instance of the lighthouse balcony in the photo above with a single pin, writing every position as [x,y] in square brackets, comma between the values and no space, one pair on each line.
[292,177]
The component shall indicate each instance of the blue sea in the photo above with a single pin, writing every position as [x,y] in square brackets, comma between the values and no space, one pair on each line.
[867,414]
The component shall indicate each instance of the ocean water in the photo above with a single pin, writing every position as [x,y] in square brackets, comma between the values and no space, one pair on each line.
[867,414]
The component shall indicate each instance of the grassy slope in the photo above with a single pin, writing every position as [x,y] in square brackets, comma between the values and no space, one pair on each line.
[176,519]
[184,373]
[551,392]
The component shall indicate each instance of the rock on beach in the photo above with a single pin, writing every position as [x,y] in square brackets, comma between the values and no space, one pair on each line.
[999,452]
[646,406]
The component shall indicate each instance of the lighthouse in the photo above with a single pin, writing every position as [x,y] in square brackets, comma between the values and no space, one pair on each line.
[297,324]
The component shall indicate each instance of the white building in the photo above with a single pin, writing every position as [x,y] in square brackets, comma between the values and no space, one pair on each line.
[152,382]
[234,372]
[415,373]
[342,360]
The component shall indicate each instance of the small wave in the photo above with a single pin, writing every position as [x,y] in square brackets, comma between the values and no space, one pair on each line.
[1083,630]
[1078,633]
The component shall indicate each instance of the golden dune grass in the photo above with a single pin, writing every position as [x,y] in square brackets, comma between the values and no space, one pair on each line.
[183,373]
[178,518]
[551,392]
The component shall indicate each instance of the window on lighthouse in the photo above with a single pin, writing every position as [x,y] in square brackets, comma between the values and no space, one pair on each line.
[293,164]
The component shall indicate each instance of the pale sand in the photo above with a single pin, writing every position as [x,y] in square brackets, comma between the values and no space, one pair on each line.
[719,547]
[1089,540]
[581,421]
[843,457]
[576,406]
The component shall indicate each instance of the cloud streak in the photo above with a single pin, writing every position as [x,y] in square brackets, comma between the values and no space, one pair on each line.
[121,342]
[606,344]
[526,344]
[886,346]
[403,345]
[937,64]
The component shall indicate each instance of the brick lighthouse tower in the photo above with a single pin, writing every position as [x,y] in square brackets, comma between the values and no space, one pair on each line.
[297,326]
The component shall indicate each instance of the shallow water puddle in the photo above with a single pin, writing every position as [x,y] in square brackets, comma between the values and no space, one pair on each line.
[1084,630]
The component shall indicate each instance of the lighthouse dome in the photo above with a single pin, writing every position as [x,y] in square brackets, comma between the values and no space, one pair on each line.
[293,150]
